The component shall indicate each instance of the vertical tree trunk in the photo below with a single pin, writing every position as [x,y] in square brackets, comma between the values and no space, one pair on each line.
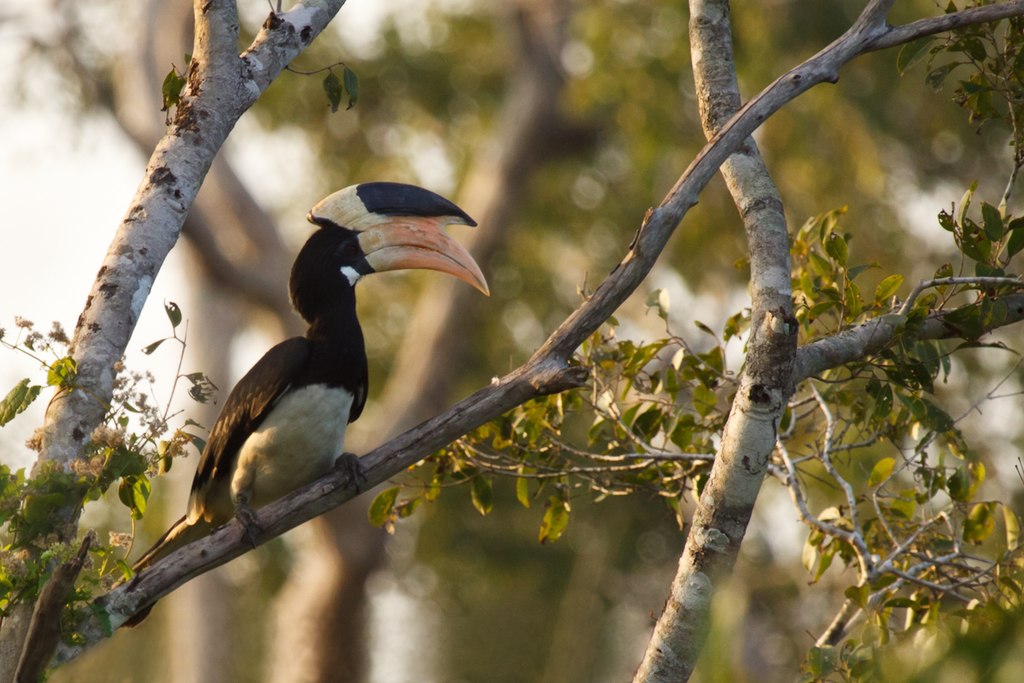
[723,511]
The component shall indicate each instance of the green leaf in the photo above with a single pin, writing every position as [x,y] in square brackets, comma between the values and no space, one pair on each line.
[62,373]
[704,400]
[946,221]
[935,418]
[102,615]
[704,328]
[39,507]
[854,271]
[993,221]
[937,76]
[959,485]
[17,400]
[821,661]
[819,264]
[881,471]
[556,519]
[883,401]
[333,89]
[659,299]
[351,86]
[482,494]
[980,523]
[380,512]
[825,561]
[966,319]
[904,504]
[911,54]
[965,203]
[858,594]
[1012,526]
[809,554]
[887,288]
[407,507]
[173,313]
[523,491]
[836,247]
[974,242]
[134,494]
[124,462]
[171,88]
[853,300]
[1016,241]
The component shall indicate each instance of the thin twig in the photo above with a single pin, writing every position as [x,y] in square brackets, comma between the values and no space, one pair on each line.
[944,281]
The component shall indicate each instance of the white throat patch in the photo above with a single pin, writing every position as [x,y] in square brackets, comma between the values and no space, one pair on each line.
[351,274]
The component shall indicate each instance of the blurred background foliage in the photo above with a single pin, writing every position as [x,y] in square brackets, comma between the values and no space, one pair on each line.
[477,598]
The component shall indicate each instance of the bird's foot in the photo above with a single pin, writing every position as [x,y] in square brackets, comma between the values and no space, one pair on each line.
[247,518]
[355,470]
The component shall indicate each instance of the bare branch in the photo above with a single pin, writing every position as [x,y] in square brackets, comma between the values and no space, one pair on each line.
[900,35]
[979,281]
[871,337]
[44,630]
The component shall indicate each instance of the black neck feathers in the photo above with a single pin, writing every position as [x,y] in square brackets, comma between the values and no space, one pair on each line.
[323,292]
[324,274]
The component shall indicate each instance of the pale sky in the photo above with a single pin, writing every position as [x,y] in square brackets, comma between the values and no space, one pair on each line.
[64,185]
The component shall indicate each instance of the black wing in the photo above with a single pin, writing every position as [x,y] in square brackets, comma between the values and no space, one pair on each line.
[246,407]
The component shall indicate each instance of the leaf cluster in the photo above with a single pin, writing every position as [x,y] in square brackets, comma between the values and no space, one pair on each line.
[645,422]
[987,61]
[900,484]
[135,442]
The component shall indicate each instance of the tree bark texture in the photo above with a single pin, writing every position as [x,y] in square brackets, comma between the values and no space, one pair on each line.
[221,86]
[725,505]
[724,508]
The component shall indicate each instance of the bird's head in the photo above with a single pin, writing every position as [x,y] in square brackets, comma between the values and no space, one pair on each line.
[373,227]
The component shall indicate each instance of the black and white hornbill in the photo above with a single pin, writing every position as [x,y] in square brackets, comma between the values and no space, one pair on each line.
[283,425]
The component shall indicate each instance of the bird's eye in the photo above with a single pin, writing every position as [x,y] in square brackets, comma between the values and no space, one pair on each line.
[349,249]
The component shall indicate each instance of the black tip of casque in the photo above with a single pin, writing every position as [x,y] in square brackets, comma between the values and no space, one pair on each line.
[399,199]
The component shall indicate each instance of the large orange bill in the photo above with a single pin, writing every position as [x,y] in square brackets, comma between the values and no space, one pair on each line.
[420,242]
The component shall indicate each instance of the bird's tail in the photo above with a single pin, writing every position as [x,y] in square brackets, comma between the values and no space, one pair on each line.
[180,534]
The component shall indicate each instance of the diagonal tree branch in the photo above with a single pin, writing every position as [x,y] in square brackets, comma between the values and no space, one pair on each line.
[548,371]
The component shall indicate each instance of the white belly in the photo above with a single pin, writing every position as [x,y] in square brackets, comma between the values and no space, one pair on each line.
[297,443]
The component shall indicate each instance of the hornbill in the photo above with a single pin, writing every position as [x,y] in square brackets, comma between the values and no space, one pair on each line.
[283,425]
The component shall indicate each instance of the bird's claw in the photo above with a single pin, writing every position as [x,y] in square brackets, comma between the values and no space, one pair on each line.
[355,470]
[247,518]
